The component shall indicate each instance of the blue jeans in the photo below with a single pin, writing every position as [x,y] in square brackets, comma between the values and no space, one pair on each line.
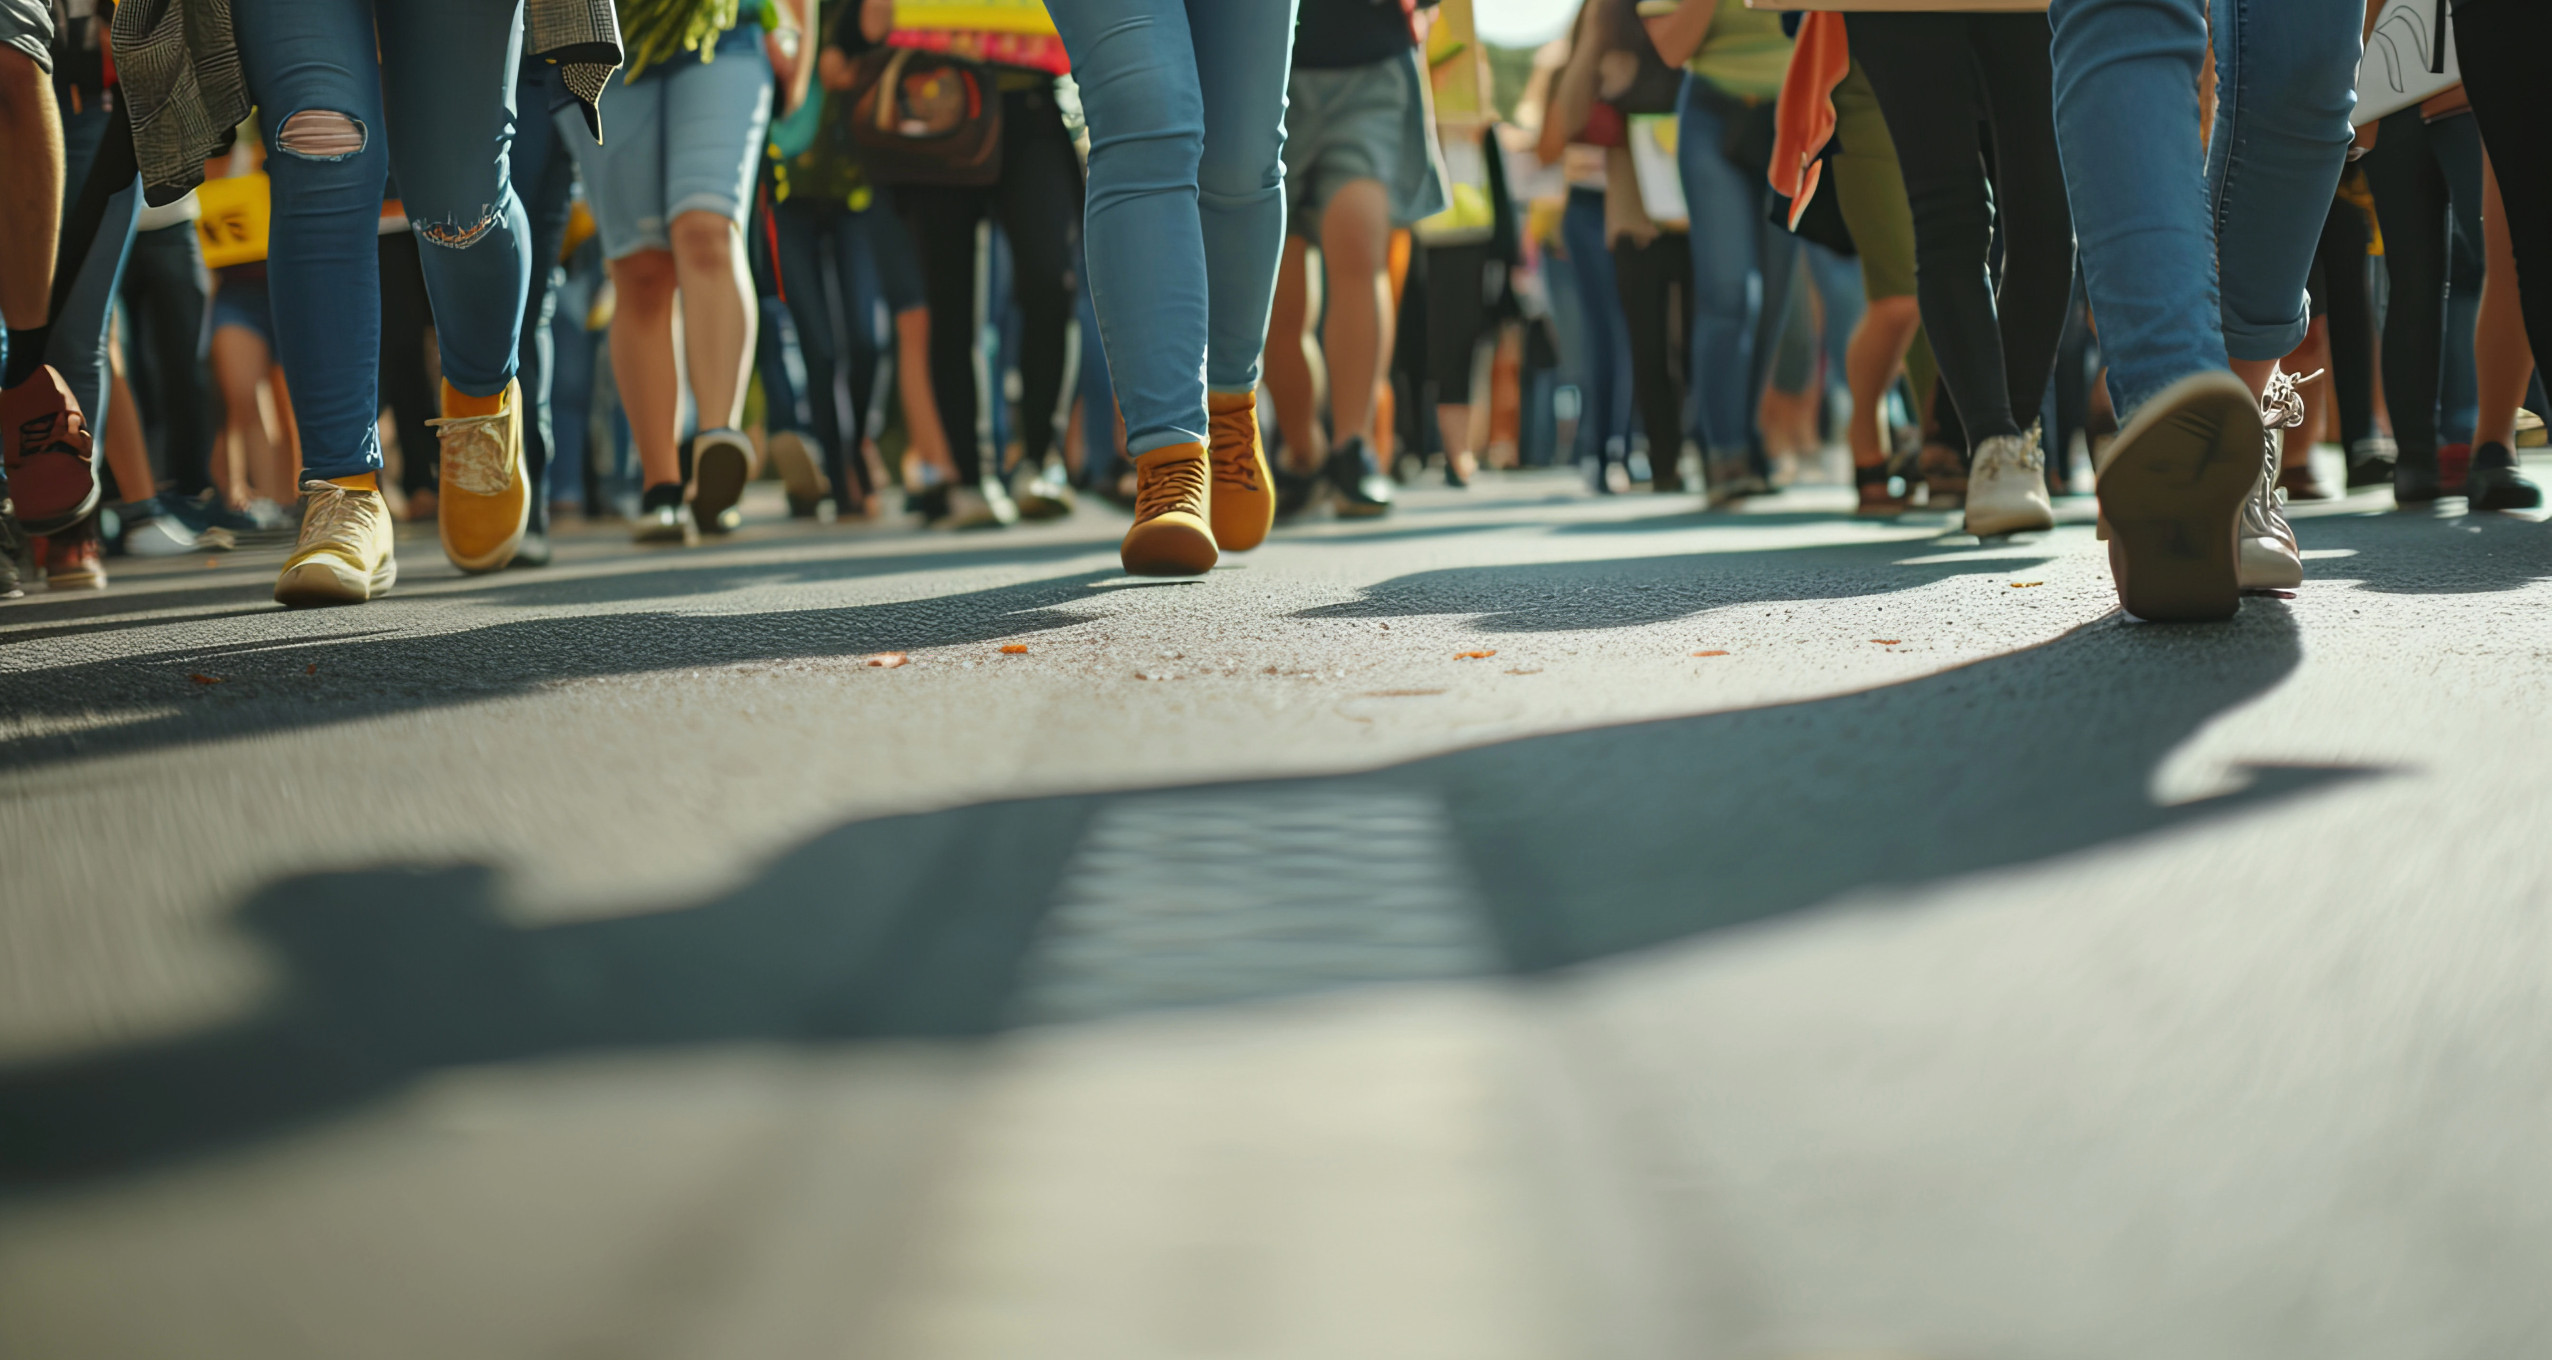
[1186,218]
[544,181]
[1604,414]
[2156,238]
[684,137]
[1742,266]
[437,77]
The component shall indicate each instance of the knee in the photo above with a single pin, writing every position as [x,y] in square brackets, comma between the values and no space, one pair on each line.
[1145,109]
[322,135]
[644,282]
[332,156]
[703,241]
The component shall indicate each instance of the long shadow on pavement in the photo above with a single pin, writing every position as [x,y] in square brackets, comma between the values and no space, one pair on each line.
[1564,849]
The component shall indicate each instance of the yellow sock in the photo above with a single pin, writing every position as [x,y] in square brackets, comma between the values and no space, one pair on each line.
[361,481]
[459,403]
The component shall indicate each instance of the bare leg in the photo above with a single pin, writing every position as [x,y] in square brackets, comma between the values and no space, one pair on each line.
[1294,371]
[30,191]
[1461,439]
[285,473]
[926,436]
[2312,356]
[642,360]
[718,313]
[240,362]
[1355,245]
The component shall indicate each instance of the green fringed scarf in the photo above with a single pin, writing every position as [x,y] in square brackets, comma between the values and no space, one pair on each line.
[655,31]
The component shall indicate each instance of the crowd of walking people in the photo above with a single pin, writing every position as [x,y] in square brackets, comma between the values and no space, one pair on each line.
[300,269]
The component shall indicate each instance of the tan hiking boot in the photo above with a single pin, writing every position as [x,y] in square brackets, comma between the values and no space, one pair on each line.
[1244,493]
[1172,534]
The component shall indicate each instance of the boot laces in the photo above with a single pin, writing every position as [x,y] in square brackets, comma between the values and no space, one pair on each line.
[2281,408]
[337,515]
[474,452]
[2012,455]
[1235,441]
[1175,484]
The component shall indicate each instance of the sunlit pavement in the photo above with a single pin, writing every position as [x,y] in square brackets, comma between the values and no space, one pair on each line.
[1533,925]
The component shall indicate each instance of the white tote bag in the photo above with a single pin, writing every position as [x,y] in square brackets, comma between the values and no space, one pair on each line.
[2395,74]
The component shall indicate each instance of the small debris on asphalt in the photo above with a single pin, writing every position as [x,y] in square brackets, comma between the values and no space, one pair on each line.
[1014,649]
[1887,642]
[1712,653]
[1474,656]
[886,660]
[202,679]
[2024,585]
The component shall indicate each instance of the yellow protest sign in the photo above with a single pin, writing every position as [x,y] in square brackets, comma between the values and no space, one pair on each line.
[233,228]
[989,16]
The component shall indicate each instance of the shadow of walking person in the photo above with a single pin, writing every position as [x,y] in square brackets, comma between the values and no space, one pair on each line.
[1558,850]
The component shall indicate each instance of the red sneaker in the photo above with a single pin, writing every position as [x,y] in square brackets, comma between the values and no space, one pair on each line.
[45,449]
[70,563]
[2454,467]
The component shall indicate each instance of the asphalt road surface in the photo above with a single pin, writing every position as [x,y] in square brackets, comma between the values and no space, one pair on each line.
[1534,925]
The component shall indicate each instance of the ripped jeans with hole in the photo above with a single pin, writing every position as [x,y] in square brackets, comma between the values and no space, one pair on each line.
[436,108]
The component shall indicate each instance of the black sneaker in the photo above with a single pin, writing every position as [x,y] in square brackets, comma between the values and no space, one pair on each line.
[14,551]
[533,551]
[1295,491]
[2370,462]
[2416,482]
[1356,476]
[2494,484]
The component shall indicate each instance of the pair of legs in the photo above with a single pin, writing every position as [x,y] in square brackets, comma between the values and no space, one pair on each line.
[2126,117]
[670,190]
[164,299]
[2188,285]
[1742,267]
[834,270]
[1868,183]
[1937,77]
[1654,282]
[1185,227]
[2499,43]
[1336,352]
[330,78]
[1038,203]
[2426,179]
[1605,368]
[544,181]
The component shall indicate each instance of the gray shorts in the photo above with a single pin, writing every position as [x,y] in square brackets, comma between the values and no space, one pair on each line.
[1359,122]
[27,26]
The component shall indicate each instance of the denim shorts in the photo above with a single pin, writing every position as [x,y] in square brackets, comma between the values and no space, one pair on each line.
[685,137]
[1358,122]
[27,26]
[244,303]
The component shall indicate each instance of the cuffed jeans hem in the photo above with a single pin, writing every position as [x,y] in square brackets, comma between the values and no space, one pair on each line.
[1136,445]
[327,470]
[470,385]
[2258,343]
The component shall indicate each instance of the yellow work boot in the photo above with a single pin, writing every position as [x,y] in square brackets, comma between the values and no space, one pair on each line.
[485,498]
[1172,535]
[1244,494]
[344,555]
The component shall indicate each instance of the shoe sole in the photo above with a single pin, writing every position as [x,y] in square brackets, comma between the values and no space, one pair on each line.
[1175,544]
[719,469]
[2267,568]
[2021,519]
[2171,492]
[326,581]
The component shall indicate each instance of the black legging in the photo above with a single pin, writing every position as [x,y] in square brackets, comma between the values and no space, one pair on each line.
[164,303]
[1655,282]
[1038,203]
[2419,173]
[1938,76]
[2338,284]
[407,388]
[2500,44]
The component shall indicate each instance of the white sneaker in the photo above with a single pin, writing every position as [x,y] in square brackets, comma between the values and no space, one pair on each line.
[267,516]
[979,507]
[2269,558]
[2007,487]
[1041,493]
[160,536]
